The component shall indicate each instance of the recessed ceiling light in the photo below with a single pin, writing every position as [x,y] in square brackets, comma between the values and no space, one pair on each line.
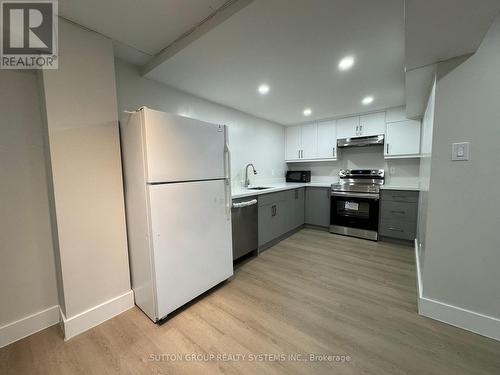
[346,63]
[263,89]
[307,111]
[367,100]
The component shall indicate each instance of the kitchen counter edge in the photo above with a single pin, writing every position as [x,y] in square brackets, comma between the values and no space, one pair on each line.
[273,188]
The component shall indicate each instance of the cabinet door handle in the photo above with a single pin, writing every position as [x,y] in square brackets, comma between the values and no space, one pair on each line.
[398,212]
[357,130]
[298,157]
[296,194]
[333,151]
[395,229]
[273,210]
[387,148]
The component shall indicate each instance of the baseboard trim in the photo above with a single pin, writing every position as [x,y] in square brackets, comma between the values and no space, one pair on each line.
[456,316]
[96,315]
[28,325]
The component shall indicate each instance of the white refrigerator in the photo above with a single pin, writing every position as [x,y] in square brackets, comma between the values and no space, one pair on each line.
[178,208]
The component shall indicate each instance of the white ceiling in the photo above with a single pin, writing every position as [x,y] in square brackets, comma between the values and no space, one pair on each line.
[146,25]
[437,31]
[442,29]
[294,46]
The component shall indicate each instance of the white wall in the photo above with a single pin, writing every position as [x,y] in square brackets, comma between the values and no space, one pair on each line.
[406,171]
[462,256]
[27,274]
[81,119]
[252,140]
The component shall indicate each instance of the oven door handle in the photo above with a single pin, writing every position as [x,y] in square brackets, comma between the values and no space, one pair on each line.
[346,194]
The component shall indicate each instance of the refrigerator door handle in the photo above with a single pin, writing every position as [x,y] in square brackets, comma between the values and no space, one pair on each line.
[227,174]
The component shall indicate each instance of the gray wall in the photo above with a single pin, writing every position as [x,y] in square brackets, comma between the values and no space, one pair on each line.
[462,255]
[425,172]
[252,140]
[82,126]
[27,275]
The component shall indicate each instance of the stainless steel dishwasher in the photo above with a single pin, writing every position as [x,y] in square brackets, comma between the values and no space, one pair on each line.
[244,216]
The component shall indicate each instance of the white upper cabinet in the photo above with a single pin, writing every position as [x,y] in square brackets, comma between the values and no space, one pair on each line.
[292,143]
[327,140]
[311,142]
[402,139]
[372,124]
[318,141]
[301,142]
[348,127]
[361,126]
[395,114]
[309,139]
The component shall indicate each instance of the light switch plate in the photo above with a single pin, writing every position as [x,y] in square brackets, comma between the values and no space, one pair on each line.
[460,151]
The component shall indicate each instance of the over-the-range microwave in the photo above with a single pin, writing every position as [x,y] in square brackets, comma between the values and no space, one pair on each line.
[298,176]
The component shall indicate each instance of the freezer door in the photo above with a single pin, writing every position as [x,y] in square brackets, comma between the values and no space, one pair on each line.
[182,149]
[191,229]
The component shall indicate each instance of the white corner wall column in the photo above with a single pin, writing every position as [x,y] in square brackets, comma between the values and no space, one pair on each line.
[86,177]
[457,251]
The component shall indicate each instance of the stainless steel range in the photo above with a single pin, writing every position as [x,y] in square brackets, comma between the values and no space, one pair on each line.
[355,203]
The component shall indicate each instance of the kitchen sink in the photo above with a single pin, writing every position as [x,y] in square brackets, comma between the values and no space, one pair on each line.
[258,188]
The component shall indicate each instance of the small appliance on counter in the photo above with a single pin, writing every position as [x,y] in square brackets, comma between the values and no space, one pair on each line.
[298,176]
[355,203]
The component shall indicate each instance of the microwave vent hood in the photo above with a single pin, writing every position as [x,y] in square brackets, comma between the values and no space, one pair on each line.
[361,141]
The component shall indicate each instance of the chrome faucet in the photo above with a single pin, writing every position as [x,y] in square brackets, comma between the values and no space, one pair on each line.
[247,180]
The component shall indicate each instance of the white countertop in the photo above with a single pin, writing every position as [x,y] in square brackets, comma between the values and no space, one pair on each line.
[412,187]
[241,192]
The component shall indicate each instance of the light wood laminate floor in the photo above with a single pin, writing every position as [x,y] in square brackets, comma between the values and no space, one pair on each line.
[312,293]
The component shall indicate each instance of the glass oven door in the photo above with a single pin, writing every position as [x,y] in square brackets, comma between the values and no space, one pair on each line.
[355,212]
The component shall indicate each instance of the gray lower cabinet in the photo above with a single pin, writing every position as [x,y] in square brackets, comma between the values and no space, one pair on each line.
[296,208]
[272,221]
[280,213]
[398,214]
[317,206]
